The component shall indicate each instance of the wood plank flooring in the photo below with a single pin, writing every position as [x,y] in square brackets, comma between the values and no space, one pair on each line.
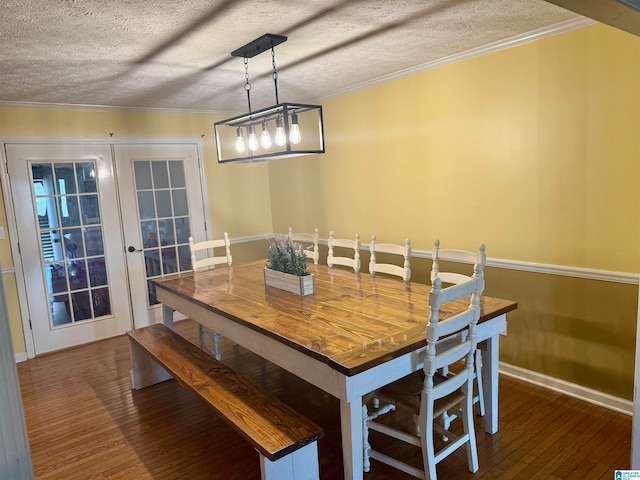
[84,422]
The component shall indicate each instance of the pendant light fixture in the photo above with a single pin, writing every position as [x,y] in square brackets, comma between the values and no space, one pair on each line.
[297,127]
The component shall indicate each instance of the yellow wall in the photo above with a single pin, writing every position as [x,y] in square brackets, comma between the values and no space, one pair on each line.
[533,150]
[238,194]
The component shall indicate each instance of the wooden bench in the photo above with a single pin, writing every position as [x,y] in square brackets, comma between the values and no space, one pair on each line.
[285,440]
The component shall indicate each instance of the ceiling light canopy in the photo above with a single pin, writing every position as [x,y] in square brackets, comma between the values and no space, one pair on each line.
[280,131]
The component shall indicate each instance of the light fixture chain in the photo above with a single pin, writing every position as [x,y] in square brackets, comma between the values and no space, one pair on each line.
[275,72]
[247,85]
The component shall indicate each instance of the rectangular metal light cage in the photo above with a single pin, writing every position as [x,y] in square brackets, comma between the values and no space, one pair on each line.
[311,138]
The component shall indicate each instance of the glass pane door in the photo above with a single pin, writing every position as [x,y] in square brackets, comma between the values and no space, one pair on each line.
[161,185]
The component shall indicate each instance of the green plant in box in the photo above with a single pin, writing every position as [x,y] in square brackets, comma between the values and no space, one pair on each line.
[287,256]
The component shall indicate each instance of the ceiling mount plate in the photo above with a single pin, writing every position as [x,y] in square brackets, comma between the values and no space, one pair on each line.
[259,45]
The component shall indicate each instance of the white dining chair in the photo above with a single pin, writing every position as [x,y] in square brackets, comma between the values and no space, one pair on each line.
[404,251]
[426,394]
[200,259]
[309,242]
[466,257]
[353,262]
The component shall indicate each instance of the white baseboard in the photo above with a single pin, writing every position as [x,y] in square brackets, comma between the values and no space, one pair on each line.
[21,357]
[573,390]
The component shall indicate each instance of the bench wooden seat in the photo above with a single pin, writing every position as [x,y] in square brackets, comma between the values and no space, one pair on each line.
[284,438]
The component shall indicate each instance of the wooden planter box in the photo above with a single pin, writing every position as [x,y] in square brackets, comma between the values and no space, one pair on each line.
[290,283]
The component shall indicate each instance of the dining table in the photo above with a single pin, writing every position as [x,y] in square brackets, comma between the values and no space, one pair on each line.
[357,332]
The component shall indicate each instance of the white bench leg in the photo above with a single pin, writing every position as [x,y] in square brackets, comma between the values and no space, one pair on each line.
[299,465]
[145,371]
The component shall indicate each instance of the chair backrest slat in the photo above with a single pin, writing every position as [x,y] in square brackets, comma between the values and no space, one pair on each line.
[199,252]
[454,255]
[344,243]
[404,251]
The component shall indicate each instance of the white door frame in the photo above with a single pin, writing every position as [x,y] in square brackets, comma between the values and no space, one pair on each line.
[11,218]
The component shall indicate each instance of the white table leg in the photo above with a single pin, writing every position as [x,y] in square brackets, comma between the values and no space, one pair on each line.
[490,383]
[168,317]
[351,428]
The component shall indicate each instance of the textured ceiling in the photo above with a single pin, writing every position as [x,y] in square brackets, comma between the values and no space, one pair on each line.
[175,54]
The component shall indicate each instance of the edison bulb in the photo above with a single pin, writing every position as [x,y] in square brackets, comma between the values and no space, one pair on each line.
[265,139]
[253,139]
[239,141]
[295,136]
[280,137]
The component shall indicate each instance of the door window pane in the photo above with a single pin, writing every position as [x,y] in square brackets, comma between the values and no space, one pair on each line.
[184,258]
[101,302]
[142,172]
[69,213]
[180,204]
[176,170]
[183,231]
[146,207]
[51,244]
[152,263]
[77,271]
[81,306]
[73,246]
[163,202]
[149,233]
[56,278]
[167,236]
[90,209]
[60,309]
[160,174]
[65,178]
[97,271]
[151,290]
[93,241]
[86,177]
[169,260]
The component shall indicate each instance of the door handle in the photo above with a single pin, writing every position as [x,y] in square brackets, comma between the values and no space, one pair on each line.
[132,249]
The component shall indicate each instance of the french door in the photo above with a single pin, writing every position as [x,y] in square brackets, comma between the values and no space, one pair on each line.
[75,224]
[160,186]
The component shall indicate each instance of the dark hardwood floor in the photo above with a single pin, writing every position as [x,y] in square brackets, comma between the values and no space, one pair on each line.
[84,422]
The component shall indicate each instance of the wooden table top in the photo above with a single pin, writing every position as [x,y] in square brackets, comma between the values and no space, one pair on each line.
[353,321]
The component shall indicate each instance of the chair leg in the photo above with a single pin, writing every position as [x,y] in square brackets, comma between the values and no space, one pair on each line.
[479,385]
[216,341]
[428,448]
[366,416]
[366,446]
[469,429]
[203,336]
[216,345]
